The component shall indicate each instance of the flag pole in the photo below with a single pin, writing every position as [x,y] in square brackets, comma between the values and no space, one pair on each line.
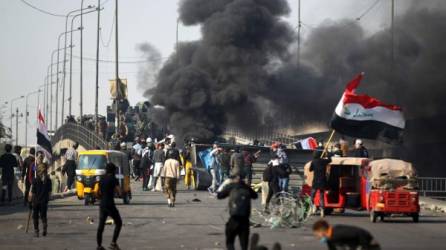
[328,142]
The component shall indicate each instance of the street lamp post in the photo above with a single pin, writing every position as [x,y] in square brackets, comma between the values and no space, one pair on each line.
[71,61]
[65,53]
[57,79]
[52,82]
[12,115]
[17,126]
[27,114]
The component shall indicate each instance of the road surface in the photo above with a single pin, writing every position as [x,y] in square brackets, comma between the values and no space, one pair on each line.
[150,224]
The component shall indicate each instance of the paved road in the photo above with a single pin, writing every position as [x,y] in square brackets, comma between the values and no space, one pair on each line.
[150,224]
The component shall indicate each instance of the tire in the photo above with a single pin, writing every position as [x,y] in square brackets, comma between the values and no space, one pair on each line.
[87,200]
[328,211]
[415,217]
[373,216]
[126,199]
[381,218]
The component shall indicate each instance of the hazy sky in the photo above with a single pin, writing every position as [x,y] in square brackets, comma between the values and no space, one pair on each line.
[29,37]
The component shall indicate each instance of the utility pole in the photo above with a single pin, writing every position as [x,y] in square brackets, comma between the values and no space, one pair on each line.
[17,126]
[81,62]
[299,26]
[97,69]
[118,83]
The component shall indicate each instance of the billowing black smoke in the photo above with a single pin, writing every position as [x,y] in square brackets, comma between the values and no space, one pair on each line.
[242,72]
[211,82]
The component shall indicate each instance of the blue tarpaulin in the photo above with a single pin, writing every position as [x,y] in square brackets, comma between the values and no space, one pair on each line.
[206,158]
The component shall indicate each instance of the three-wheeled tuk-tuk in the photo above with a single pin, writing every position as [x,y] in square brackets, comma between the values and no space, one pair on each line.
[393,189]
[91,169]
[346,177]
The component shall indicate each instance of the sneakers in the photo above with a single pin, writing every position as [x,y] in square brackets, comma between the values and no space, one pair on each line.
[114,246]
[100,248]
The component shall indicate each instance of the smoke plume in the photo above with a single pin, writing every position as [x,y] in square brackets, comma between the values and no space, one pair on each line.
[243,73]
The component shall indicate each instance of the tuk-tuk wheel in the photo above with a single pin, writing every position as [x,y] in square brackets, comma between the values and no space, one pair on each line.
[328,211]
[373,216]
[415,217]
[381,217]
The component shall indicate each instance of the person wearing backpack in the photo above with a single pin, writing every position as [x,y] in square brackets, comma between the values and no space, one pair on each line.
[240,195]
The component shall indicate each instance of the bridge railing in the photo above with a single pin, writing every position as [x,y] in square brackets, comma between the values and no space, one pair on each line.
[432,186]
[78,133]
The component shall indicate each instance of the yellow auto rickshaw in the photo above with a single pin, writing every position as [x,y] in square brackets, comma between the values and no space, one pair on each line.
[91,169]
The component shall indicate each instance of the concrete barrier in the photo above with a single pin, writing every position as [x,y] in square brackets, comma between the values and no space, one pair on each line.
[433,204]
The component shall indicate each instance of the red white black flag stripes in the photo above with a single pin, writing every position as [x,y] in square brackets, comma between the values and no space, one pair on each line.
[363,116]
[43,140]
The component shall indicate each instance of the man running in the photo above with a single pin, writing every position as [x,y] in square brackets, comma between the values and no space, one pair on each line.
[108,186]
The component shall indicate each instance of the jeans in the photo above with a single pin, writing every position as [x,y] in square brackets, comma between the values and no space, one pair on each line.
[283,184]
[103,214]
[321,196]
[215,180]
[237,226]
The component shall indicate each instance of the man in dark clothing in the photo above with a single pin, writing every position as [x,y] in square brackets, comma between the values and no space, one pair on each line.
[240,196]
[249,159]
[284,177]
[237,163]
[225,161]
[173,152]
[70,165]
[159,157]
[344,237]
[40,195]
[146,166]
[319,168]
[28,173]
[271,175]
[108,186]
[360,150]
[7,162]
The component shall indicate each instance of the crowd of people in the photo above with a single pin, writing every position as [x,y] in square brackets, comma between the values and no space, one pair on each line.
[159,166]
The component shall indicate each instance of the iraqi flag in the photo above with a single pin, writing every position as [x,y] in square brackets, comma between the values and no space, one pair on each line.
[366,117]
[43,140]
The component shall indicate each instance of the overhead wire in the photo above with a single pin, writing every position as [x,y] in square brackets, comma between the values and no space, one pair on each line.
[367,10]
[49,12]
[110,34]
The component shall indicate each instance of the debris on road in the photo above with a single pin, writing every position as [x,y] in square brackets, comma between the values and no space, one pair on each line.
[110,222]
[90,220]
[196,200]
[19,227]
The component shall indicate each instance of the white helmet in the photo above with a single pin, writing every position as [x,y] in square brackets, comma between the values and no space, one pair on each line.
[358,142]
[149,140]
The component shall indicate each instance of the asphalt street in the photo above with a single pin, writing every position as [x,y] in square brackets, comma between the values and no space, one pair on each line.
[150,224]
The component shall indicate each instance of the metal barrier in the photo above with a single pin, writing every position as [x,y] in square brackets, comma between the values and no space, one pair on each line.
[432,186]
[78,133]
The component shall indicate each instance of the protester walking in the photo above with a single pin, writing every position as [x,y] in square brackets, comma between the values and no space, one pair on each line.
[146,167]
[319,168]
[240,195]
[271,175]
[40,195]
[215,168]
[136,158]
[70,165]
[344,237]
[238,163]
[250,159]
[7,162]
[189,179]
[109,185]
[170,173]
[225,162]
[158,159]
[28,173]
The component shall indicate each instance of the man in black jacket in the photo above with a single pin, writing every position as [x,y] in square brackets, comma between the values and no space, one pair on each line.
[344,237]
[319,168]
[109,185]
[271,175]
[28,173]
[7,162]
[240,196]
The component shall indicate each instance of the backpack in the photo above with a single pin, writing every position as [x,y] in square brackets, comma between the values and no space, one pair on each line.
[240,202]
